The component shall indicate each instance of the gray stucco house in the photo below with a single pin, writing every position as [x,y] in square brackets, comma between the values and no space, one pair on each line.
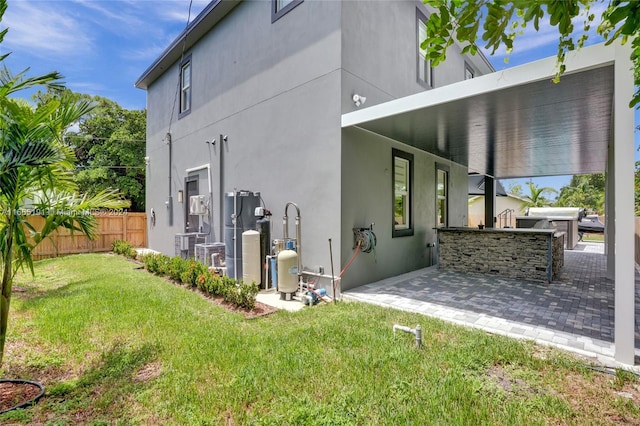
[275,77]
[275,83]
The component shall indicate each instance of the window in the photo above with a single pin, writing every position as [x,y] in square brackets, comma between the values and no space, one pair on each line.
[185,86]
[402,193]
[468,72]
[279,8]
[442,196]
[425,76]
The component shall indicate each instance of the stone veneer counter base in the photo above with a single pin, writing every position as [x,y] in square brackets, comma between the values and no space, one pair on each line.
[529,254]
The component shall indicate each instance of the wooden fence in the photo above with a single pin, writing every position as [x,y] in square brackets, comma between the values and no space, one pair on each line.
[131,227]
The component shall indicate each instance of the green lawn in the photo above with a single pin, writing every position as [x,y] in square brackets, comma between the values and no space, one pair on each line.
[116,345]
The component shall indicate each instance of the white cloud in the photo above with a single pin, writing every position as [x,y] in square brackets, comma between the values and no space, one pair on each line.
[45,29]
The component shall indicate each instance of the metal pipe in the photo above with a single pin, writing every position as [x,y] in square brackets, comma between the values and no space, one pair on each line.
[223,139]
[170,198]
[285,235]
[415,331]
[333,281]
[235,234]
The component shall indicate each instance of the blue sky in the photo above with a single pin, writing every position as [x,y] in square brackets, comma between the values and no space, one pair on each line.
[103,46]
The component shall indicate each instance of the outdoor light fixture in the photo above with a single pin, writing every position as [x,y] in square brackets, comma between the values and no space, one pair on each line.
[180,195]
[359,99]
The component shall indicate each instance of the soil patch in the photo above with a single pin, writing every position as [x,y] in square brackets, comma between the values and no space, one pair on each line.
[14,394]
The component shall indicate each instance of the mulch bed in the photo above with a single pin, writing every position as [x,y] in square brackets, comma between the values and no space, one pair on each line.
[14,394]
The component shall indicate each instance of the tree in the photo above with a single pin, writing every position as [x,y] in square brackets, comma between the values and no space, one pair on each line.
[584,191]
[515,189]
[110,147]
[536,196]
[637,188]
[36,175]
[503,21]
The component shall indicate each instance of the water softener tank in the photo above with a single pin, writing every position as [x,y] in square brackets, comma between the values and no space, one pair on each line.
[287,272]
[242,204]
[251,265]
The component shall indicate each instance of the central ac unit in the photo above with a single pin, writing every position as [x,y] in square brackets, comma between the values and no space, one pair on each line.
[198,205]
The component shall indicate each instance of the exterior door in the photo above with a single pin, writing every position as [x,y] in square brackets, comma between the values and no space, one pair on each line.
[192,221]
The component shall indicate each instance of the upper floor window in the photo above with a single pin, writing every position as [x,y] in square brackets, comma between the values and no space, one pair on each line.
[185,86]
[279,8]
[425,73]
[468,72]
[402,193]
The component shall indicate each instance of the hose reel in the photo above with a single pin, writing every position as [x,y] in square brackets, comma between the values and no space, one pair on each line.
[365,238]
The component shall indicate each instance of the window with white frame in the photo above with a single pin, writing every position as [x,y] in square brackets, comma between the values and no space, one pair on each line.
[279,8]
[425,73]
[442,196]
[468,72]
[185,86]
[402,193]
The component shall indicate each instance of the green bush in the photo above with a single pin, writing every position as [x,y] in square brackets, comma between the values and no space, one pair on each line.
[177,266]
[191,272]
[124,248]
[197,275]
[156,263]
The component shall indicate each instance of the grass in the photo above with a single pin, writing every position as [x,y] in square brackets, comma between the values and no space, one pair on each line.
[116,345]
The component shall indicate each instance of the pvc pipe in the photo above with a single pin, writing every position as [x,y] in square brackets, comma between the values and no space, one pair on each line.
[235,234]
[415,331]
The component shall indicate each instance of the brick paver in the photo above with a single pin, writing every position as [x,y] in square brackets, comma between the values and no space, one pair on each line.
[575,312]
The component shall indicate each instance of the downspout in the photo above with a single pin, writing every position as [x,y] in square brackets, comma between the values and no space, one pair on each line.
[223,139]
[170,198]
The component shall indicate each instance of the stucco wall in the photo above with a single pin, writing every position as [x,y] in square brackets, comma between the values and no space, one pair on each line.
[273,89]
[379,53]
[367,198]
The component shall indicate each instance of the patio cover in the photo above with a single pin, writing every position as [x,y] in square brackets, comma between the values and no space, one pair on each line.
[476,185]
[518,123]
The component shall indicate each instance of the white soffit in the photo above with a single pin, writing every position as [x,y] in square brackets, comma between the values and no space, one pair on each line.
[511,123]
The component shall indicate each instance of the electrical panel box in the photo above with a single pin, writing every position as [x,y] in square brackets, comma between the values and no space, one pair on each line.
[198,205]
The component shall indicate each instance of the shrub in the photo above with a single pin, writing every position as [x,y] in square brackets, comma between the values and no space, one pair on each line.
[196,274]
[191,272]
[156,263]
[163,264]
[124,248]
[177,266]
[247,295]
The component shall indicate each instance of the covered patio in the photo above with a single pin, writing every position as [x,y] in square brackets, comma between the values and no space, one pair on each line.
[517,123]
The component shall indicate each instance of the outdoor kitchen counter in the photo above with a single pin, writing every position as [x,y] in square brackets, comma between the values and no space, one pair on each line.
[528,254]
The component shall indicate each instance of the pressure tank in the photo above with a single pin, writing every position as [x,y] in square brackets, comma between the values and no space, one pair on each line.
[287,271]
[251,265]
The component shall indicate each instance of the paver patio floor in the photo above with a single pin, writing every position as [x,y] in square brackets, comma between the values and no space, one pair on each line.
[575,312]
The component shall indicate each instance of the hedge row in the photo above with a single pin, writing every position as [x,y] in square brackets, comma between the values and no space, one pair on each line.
[196,274]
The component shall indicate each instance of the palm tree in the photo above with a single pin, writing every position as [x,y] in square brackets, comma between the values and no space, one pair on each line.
[536,196]
[36,175]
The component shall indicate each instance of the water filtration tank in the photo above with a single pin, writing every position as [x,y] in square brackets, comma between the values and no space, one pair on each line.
[263,226]
[287,271]
[251,265]
[243,203]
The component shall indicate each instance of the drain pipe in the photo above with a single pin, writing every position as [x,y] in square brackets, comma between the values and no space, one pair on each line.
[415,331]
